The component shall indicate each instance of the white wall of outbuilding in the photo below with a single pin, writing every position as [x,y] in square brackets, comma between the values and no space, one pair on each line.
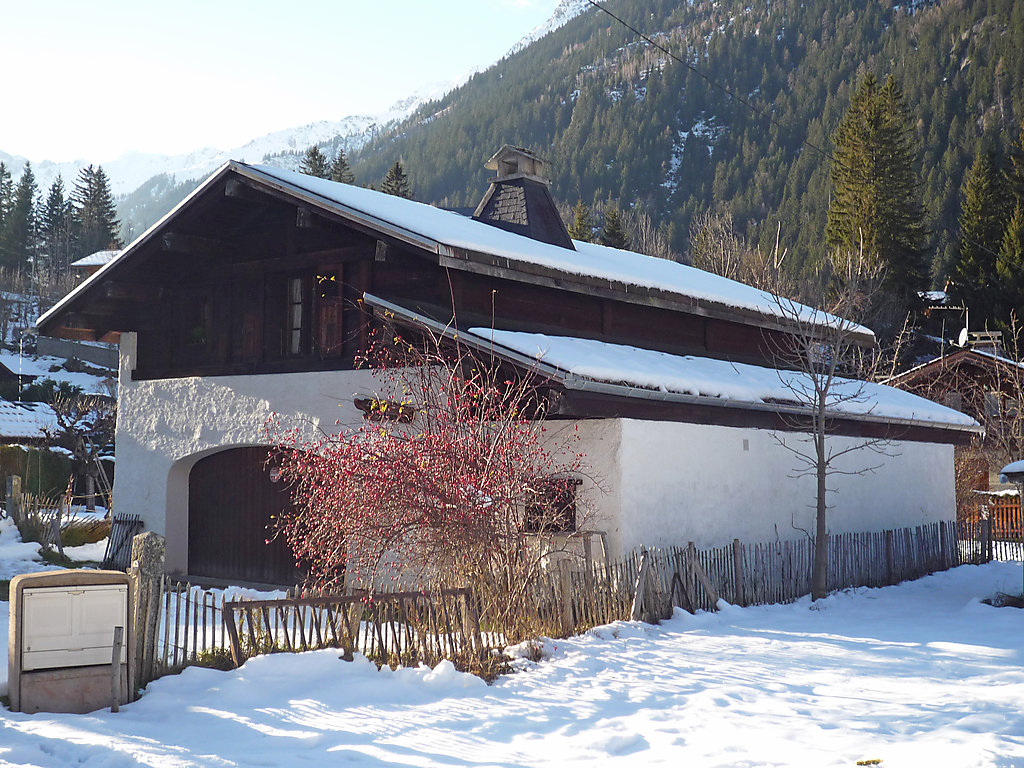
[648,483]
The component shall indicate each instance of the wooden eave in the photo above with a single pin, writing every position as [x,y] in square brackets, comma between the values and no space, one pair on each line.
[581,398]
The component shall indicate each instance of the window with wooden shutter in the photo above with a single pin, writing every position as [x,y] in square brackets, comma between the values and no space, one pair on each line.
[554,511]
[327,295]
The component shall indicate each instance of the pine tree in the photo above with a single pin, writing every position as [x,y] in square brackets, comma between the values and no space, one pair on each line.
[19,235]
[6,202]
[340,170]
[613,234]
[6,191]
[582,227]
[1015,171]
[315,163]
[95,216]
[55,218]
[876,199]
[396,182]
[982,219]
[1010,270]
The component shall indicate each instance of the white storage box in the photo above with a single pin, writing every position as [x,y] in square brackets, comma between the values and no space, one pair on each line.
[72,626]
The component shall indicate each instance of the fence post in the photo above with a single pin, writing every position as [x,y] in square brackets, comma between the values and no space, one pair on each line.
[737,569]
[641,585]
[14,498]
[588,574]
[890,558]
[566,589]
[147,561]
[115,670]
[228,613]
[943,555]
[986,539]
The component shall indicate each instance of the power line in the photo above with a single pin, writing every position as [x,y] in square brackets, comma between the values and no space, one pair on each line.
[714,83]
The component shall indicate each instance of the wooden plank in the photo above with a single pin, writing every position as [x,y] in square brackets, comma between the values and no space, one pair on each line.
[640,586]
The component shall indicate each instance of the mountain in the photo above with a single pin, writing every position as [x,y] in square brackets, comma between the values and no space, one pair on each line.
[738,119]
[621,120]
[148,185]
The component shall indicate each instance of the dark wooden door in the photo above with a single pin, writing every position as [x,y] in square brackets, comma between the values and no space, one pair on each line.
[231,501]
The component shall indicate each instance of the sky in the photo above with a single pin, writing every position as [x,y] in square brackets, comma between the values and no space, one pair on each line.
[101,78]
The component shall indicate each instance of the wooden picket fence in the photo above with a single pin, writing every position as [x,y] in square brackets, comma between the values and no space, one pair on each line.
[185,625]
[576,597]
[397,629]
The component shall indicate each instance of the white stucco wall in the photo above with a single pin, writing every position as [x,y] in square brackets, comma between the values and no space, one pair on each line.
[647,482]
[165,426]
[709,484]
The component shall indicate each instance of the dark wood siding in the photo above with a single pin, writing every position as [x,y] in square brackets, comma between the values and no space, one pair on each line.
[231,501]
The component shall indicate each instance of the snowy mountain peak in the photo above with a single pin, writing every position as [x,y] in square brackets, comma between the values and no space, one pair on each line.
[564,12]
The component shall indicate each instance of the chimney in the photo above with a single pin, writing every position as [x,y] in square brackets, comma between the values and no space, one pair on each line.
[519,199]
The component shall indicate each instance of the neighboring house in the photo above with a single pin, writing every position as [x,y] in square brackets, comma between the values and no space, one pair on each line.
[90,265]
[977,380]
[254,296]
[26,423]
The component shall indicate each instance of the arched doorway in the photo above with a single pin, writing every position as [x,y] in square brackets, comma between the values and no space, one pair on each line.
[231,501]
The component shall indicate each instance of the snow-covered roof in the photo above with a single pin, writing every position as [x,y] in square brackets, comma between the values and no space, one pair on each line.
[957,354]
[26,421]
[1013,468]
[463,243]
[446,232]
[97,259]
[739,383]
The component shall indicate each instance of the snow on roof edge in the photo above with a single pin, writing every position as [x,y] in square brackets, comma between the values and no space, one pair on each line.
[711,379]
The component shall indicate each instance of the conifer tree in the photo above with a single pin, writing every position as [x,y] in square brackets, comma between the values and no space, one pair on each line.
[876,198]
[95,216]
[982,218]
[340,170]
[55,218]
[582,226]
[6,193]
[19,235]
[314,163]
[613,234]
[396,182]
[1010,269]
[1015,170]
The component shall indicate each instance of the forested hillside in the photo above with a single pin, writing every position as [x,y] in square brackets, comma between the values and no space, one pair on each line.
[620,120]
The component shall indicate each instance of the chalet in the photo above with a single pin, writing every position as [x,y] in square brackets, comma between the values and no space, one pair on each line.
[977,379]
[90,265]
[254,296]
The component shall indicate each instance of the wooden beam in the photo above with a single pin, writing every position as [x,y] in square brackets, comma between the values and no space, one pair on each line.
[131,292]
[194,245]
[239,264]
[305,218]
[239,189]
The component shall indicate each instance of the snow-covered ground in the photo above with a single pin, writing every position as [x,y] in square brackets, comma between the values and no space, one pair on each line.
[52,368]
[922,674]
[16,556]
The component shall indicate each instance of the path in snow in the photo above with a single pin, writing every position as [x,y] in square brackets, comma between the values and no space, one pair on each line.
[916,675]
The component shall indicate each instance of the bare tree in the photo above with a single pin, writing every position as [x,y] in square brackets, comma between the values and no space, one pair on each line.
[820,366]
[715,246]
[648,238]
[85,427]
